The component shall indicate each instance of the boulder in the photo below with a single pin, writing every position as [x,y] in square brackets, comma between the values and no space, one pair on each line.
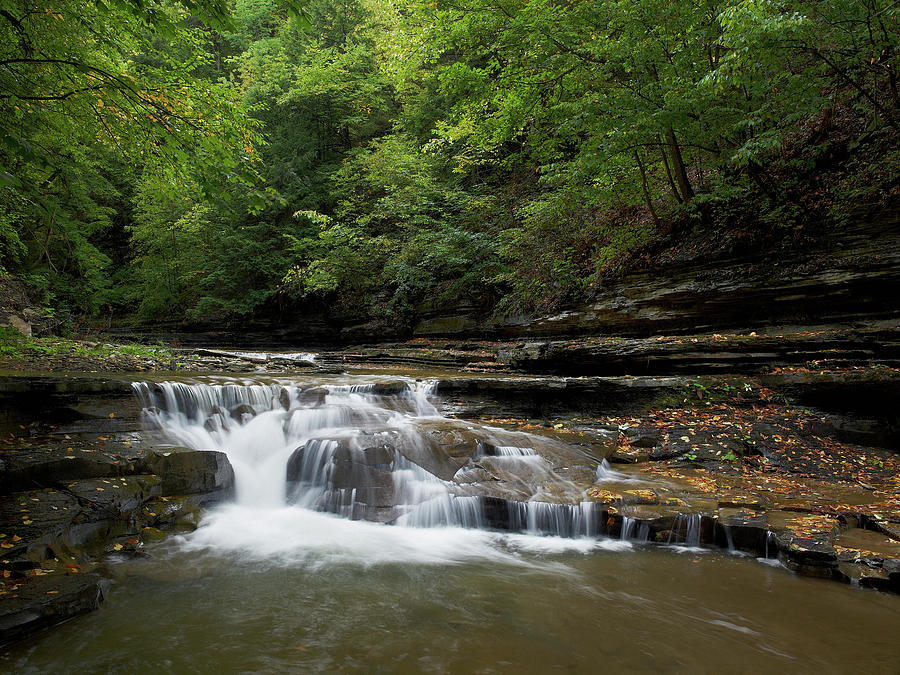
[312,398]
[284,398]
[239,411]
[183,472]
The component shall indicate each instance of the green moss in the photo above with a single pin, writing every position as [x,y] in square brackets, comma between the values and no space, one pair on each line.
[15,345]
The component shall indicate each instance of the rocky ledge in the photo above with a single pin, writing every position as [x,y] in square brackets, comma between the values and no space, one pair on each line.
[79,482]
[780,466]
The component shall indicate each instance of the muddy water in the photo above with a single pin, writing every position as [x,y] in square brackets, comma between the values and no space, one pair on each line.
[521,607]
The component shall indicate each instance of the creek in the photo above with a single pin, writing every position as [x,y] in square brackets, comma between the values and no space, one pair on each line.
[371,534]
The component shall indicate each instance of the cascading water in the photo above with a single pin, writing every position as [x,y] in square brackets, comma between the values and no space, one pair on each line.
[377,452]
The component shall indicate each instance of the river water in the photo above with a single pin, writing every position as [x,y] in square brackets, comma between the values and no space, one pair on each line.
[288,578]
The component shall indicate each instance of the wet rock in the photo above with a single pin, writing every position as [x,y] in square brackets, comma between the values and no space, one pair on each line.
[441,447]
[380,455]
[388,388]
[644,497]
[350,474]
[238,413]
[32,469]
[284,398]
[45,601]
[642,438]
[811,555]
[703,446]
[664,453]
[294,468]
[629,456]
[312,398]
[216,422]
[532,397]
[869,432]
[743,500]
[472,473]
[150,535]
[865,576]
[371,486]
[892,568]
[888,529]
[36,516]
[745,530]
[184,472]
[181,512]
[104,499]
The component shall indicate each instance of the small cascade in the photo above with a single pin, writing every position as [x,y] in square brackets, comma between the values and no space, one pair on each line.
[445,510]
[605,473]
[371,451]
[634,530]
[728,537]
[561,520]
[687,529]
[513,451]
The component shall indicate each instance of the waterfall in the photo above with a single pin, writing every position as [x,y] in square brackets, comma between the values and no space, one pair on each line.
[634,530]
[369,451]
[687,529]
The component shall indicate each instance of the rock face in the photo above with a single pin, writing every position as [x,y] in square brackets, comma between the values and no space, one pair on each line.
[193,472]
[846,277]
[78,480]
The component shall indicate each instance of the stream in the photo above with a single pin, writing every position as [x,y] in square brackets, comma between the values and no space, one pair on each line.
[371,534]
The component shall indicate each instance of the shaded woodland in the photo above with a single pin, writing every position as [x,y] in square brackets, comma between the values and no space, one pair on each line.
[205,159]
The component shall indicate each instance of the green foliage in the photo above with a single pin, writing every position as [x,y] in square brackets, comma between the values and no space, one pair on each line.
[14,345]
[385,158]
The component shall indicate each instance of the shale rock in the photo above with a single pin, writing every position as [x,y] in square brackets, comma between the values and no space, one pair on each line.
[184,472]
[46,601]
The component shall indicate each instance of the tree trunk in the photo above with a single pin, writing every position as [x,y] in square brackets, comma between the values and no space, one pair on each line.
[687,192]
[665,161]
[637,158]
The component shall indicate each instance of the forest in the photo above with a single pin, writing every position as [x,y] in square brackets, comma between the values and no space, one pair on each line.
[206,159]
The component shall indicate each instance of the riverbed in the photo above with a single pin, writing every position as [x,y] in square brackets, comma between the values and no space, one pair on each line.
[395,572]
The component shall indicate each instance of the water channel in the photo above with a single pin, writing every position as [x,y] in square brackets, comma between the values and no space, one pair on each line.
[360,541]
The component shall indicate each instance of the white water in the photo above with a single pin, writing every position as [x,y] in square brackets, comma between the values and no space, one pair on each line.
[318,519]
